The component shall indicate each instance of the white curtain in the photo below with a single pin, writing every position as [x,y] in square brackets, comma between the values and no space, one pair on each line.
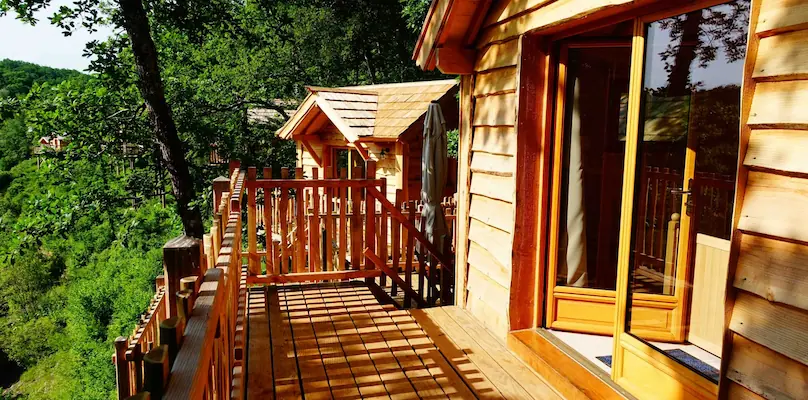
[573,262]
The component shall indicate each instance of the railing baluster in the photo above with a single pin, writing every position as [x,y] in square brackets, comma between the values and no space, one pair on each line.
[315,264]
[370,218]
[300,222]
[284,217]
[383,243]
[408,260]
[268,240]
[356,222]
[396,242]
[343,223]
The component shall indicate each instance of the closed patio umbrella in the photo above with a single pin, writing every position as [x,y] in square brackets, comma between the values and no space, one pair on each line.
[434,166]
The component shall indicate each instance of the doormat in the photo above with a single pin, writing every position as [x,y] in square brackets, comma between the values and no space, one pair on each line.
[683,357]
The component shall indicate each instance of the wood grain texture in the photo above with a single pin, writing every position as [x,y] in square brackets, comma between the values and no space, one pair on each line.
[498,81]
[770,203]
[533,159]
[765,372]
[465,139]
[493,164]
[494,140]
[774,270]
[484,262]
[496,213]
[498,243]
[554,13]
[780,105]
[780,328]
[506,10]
[778,150]
[499,110]
[783,57]
[781,15]
[498,55]
[492,186]
[738,392]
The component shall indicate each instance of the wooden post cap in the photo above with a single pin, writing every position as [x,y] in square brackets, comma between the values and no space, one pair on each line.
[171,336]
[155,371]
[189,283]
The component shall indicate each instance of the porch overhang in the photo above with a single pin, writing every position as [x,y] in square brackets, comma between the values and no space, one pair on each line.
[447,37]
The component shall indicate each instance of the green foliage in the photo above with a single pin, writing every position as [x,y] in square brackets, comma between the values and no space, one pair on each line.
[80,235]
[17,77]
[451,145]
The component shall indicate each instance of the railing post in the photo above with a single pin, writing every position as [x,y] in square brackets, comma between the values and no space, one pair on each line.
[122,367]
[155,371]
[253,263]
[181,258]
[171,336]
[220,186]
[370,218]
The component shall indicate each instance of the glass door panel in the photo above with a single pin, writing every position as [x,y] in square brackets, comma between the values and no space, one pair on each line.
[687,151]
[589,154]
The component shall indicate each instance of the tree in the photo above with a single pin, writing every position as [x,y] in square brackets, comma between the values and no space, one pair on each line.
[131,15]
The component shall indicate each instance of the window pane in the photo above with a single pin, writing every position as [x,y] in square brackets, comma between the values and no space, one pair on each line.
[592,176]
[687,157]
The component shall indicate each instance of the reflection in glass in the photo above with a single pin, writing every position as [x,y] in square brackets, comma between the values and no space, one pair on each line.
[687,155]
[592,176]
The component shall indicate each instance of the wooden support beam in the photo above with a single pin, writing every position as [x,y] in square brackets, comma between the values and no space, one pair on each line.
[316,157]
[361,150]
[312,276]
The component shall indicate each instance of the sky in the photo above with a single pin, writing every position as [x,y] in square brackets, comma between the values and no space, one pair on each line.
[44,43]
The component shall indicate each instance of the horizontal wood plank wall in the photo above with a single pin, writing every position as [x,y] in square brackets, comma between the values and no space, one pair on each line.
[492,186]
[767,351]
[509,19]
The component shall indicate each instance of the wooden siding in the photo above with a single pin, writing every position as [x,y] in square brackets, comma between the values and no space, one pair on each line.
[491,186]
[765,352]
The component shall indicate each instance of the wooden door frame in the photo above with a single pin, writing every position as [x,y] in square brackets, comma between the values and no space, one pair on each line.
[579,299]
[646,362]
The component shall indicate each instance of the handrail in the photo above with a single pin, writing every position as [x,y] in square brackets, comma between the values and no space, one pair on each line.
[206,362]
[199,351]
[128,356]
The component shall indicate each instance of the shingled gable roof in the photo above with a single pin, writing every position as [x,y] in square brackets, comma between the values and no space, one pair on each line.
[372,111]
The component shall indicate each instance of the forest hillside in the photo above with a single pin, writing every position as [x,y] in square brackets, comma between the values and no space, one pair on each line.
[81,228]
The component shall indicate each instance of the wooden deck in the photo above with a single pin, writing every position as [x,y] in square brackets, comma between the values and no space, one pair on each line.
[337,341]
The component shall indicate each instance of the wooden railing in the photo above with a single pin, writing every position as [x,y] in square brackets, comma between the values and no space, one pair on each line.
[191,342]
[309,230]
[129,351]
[199,349]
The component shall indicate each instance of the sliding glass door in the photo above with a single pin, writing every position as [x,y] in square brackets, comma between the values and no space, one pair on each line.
[645,152]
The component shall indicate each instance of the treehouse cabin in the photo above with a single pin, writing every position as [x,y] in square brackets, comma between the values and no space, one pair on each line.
[630,222]
[342,128]
[630,192]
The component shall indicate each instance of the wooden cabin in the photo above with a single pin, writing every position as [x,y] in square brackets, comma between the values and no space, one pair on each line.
[337,128]
[631,208]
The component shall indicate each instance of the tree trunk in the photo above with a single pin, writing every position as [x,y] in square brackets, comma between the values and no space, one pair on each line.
[150,84]
[679,76]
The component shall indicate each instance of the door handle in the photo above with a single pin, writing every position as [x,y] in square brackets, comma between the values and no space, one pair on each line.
[680,191]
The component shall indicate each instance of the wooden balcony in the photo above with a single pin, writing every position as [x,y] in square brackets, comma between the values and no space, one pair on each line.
[311,300]
[336,340]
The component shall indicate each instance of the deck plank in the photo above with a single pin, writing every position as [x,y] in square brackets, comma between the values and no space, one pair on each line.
[260,356]
[336,340]
[286,379]
[485,343]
